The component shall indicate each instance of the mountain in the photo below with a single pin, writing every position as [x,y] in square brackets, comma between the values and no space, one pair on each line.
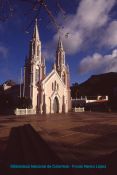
[103,84]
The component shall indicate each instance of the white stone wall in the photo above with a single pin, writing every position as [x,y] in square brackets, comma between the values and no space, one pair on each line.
[52,92]
[34,97]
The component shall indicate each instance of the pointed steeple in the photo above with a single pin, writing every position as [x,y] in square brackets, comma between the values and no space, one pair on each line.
[36,32]
[60,55]
[35,44]
[60,44]
[61,67]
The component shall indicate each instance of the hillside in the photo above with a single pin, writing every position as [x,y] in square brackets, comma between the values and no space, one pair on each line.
[104,84]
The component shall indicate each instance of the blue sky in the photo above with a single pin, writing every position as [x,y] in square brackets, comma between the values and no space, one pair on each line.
[88,29]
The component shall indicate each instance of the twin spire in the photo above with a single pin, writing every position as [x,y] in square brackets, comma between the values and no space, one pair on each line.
[36,36]
[60,48]
[36,32]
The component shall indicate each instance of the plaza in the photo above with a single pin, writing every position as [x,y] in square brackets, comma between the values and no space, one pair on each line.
[74,137]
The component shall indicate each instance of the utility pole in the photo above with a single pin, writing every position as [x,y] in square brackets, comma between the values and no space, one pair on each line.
[24,83]
[21,83]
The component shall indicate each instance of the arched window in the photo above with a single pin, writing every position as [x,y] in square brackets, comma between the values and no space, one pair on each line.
[34,49]
[57,87]
[52,86]
[64,77]
[36,75]
[39,73]
[37,50]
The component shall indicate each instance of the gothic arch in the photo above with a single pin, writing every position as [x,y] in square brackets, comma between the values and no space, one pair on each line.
[56,105]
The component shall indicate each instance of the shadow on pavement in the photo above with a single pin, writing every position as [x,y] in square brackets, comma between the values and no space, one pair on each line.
[26,147]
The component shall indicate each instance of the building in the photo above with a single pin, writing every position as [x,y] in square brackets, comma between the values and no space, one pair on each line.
[48,93]
[8,84]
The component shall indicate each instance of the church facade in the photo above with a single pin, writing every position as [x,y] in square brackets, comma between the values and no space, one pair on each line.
[48,93]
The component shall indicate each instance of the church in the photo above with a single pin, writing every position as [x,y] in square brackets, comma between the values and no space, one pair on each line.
[48,93]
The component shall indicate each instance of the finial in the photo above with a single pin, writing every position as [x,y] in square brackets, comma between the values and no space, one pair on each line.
[35,20]
[36,33]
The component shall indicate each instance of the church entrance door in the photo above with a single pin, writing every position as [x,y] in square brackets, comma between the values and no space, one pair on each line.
[56,105]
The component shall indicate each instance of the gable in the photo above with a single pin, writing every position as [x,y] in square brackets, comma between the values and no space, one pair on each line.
[53,76]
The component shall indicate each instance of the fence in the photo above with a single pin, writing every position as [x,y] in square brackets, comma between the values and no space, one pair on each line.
[78,109]
[90,99]
[24,111]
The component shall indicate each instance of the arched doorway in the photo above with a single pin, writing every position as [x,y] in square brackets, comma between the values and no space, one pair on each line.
[56,105]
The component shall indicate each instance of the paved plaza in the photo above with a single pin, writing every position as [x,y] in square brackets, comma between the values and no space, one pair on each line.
[74,137]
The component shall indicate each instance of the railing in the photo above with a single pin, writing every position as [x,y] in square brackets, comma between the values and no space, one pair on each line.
[78,109]
[91,99]
[24,111]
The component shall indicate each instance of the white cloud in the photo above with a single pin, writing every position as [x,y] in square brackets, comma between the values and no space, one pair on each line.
[47,50]
[98,63]
[93,14]
[90,16]
[3,51]
[110,37]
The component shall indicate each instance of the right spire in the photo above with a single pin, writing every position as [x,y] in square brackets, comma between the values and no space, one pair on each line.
[60,55]
[36,32]
[60,44]
[61,67]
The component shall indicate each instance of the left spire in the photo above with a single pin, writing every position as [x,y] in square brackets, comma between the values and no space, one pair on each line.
[36,32]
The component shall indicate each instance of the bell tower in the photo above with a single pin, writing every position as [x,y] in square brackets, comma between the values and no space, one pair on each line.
[60,57]
[63,69]
[34,67]
[60,62]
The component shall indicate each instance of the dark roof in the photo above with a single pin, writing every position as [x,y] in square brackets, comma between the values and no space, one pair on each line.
[9,83]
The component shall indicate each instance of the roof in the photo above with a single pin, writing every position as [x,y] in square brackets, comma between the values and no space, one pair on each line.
[9,83]
[50,75]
